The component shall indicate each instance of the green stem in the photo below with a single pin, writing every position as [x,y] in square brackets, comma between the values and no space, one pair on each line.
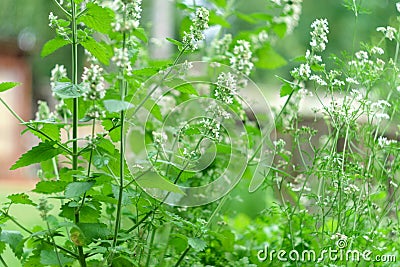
[74,27]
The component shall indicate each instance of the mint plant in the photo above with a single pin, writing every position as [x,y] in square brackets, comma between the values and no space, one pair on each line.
[139,158]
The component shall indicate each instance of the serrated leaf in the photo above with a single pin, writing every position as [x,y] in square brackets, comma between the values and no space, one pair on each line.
[50,187]
[77,189]
[197,244]
[98,18]
[14,239]
[113,105]
[53,45]
[268,58]
[37,154]
[67,90]
[50,257]
[99,50]
[286,89]
[182,86]
[4,86]
[154,180]
[21,198]
[51,131]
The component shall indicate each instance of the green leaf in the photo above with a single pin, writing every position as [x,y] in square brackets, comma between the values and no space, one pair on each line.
[280,29]
[14,239]
[67,90]
[97,18]
[37,154]
[94,231]
[153,108]
[145,72]
[140,33]
[122,261]
[216,19]
[51,131]
[53,45]
[219,3]
[246,17]
[99,50]
[154,180]
[182,86]
[21,198]
[268,58]
[50,187]
[8,85]
[197,244]
[175,42]
[50,257]
[286,89]
[77,189]
[116,105]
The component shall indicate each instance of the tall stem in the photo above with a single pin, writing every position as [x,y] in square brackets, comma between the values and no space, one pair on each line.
[74,27]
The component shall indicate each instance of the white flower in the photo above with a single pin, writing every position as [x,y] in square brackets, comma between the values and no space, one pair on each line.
[377,50]
[121,59]
[195,34]
[93,80]
[57,73]
[383,141]
[398,6]
[305,71]
[222,45]
[241,59]
[127,16]
[319,35]
[352,81]
[226,88]
[318,80]
[390,32]
[291,12]
[52,20]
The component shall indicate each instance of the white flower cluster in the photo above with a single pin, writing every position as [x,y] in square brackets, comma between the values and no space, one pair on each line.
[57,24]
[389,32]
[121,59]
[383,142]
[211,128]
[225,90]
[241,59]
[378,110]
[159,138]
[319,35]
[195,34]
[93,80]
[221,46]
[57,73]
[290,13]
[127,16]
